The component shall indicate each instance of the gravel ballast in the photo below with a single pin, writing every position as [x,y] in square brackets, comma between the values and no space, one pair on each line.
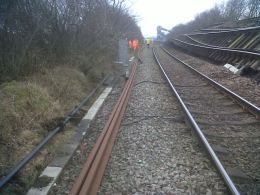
[155,152]
[220,117]
[244,86]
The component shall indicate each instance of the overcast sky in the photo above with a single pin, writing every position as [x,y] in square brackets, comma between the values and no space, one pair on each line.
[167,13]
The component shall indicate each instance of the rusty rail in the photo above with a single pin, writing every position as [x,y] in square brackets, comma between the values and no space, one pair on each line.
[93,169]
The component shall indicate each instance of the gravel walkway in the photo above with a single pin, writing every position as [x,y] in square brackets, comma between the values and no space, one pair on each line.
[155,152]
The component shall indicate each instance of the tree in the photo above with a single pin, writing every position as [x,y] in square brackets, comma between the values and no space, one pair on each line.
[235,9]
[35,34]
[253,7]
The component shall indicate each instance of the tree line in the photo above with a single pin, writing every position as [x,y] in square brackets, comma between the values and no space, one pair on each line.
[231,10]
[43,33]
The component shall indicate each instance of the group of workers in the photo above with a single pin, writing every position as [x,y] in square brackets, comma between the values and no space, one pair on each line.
[134,44]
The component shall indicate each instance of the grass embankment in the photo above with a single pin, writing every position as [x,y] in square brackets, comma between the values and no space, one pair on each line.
[30,109]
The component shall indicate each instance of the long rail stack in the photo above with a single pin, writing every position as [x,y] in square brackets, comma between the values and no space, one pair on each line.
[92,172]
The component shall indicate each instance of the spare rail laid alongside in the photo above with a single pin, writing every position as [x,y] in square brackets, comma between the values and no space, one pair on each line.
[92,171]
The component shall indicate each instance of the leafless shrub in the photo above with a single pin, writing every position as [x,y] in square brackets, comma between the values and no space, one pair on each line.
[231,10]
[46,32]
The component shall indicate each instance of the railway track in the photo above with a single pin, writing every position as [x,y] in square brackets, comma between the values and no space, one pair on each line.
[227,122]
[241,59]
[89,179]
[243,38]
[196,41]
[239,47]
[214,30]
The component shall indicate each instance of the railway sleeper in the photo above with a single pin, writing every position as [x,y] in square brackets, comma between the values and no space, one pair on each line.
[255,65]
[227,56]
[237,173]
[247,69]
[232,58]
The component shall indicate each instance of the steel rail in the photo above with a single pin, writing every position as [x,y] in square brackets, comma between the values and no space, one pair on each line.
[91,174]
[255,28]
[249,53]
[214,46]
[203,139]
[216,30]
[248,19]
[240,100]
[5,179]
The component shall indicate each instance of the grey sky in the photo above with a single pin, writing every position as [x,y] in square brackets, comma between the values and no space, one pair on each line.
[167,13]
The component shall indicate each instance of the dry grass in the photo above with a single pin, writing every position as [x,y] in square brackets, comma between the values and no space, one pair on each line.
[26,107]
[65,85]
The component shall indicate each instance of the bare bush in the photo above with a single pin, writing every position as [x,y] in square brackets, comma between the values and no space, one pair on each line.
[36,34]
[232,10]
[253,8]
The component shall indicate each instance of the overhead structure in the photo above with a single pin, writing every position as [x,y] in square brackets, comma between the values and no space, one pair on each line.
[161,34]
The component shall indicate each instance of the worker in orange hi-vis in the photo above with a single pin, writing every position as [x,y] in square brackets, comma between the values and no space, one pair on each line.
[130,43]
[135,44]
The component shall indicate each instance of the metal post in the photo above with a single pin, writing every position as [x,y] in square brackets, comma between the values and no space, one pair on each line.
[123,57]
